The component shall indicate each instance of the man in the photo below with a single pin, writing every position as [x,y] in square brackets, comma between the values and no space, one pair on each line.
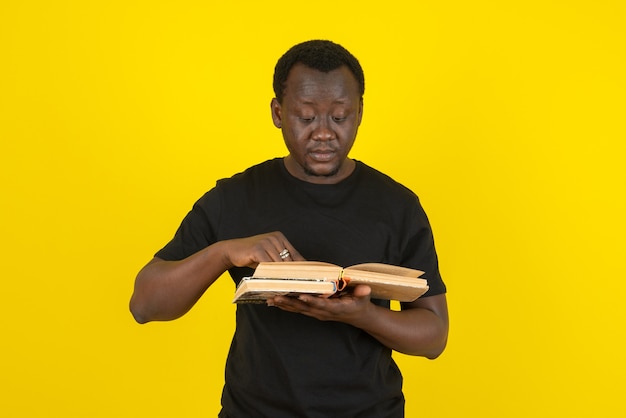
[307,356]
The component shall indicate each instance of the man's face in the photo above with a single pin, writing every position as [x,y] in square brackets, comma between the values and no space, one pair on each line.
[319,117]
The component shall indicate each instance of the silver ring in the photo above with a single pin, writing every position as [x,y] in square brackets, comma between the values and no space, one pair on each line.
[284,254]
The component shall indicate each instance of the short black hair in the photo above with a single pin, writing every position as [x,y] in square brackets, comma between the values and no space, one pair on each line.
[320,55]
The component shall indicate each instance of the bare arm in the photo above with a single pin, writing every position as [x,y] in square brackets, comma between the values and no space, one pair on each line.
[166,290]
[420,328]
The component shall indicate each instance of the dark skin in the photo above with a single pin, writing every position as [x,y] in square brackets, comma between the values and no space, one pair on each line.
[319,117]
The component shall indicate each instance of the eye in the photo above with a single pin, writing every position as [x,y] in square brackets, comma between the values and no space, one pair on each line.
[307,119]
[339,119]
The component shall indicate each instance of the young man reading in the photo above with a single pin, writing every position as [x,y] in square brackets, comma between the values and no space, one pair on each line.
[307,356]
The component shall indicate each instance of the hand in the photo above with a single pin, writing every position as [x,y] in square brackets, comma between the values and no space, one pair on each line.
[352,308]
[250,251]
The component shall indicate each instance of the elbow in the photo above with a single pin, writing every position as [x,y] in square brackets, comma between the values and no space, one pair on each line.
[140,304]
[139,319]
[438,348]
[138,313]
[430,349]
[432,355]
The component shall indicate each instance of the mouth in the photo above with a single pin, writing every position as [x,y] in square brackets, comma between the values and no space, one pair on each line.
[322,155]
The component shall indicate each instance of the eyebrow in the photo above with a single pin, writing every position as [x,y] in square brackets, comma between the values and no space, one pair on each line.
[338,101]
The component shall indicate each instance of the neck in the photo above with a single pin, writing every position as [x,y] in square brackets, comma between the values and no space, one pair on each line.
[333,177]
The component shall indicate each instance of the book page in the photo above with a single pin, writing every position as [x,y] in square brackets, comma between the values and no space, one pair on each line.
[386,269]
[253,290]
[298,270]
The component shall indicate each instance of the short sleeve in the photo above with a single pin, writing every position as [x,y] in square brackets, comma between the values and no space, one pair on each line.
[197,230]
[420,250]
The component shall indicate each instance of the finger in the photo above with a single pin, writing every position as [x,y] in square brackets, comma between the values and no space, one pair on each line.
[288,303]
[284,250]
[362,291]
[294,255]
[288,251]
[274,247]
[278,253]
[275,253]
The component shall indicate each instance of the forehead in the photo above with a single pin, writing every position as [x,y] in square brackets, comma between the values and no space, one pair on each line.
[308,84]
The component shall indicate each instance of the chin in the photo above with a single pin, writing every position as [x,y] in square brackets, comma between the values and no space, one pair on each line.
[321,171]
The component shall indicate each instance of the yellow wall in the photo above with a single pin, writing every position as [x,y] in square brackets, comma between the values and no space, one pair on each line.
[507,118]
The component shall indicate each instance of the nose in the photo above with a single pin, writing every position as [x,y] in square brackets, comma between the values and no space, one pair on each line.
[322,131]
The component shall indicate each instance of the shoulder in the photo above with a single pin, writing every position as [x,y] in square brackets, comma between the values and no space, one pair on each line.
[239,182]
[383,183]
[268,167]
[252,175]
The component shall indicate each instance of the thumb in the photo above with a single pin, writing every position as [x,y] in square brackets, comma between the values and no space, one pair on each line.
[362,290]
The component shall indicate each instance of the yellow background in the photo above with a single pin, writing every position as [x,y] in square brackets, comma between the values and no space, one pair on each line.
[507,119]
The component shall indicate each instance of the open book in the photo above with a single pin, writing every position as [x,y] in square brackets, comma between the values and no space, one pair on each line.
[324,279]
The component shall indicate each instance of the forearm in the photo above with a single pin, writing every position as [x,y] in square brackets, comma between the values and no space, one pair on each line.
[166,290]
[415,331]
[420,329]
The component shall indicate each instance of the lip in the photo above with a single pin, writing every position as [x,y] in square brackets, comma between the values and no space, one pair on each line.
[322,155]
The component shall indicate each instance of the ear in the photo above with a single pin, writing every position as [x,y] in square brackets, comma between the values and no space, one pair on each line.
[277,115]
[360,117]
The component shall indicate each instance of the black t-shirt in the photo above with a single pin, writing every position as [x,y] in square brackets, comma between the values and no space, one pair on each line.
[283,364]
